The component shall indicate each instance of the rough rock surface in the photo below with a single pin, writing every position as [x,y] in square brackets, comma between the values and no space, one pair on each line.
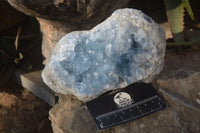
[22,112]
[180,116]
[178,83]
[127,47]
[59,17]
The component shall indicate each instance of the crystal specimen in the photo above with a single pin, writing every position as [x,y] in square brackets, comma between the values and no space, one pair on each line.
[127,47]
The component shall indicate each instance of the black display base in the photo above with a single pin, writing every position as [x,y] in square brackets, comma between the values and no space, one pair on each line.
[134,101]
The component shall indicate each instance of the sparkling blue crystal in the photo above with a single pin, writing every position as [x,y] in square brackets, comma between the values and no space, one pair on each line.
[127,47]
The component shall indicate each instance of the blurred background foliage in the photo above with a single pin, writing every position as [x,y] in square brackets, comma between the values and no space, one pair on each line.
[18,33]
[176,10]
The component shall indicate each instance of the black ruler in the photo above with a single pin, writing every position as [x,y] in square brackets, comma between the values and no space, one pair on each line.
[135,101]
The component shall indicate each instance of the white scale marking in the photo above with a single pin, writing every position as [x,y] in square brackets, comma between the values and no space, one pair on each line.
[128,107]
[121,110]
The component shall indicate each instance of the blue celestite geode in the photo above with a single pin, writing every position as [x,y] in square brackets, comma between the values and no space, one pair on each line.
[127,47]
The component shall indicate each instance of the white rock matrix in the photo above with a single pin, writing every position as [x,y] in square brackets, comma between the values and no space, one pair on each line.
[127,47]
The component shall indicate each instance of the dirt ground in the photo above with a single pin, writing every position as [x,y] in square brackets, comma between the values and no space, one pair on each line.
[22,112]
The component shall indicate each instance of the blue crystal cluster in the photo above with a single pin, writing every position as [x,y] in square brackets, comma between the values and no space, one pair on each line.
[127,47]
